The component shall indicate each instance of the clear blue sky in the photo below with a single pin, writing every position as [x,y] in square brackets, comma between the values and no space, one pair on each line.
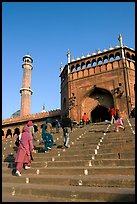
[46,30]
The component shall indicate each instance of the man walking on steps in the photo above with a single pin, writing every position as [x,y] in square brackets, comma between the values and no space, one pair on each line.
[66,125]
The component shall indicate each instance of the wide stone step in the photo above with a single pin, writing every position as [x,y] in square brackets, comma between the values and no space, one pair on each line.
[106,133]
[83,163]
[103,143]
[78,141]
[92,170]
[122,155]
[116,150]
[61,155]
[87,139]
[40,157]
[75,149]
[71,193]
[103,149]
[32,198]
[83,137]
[94,180]
[93,137]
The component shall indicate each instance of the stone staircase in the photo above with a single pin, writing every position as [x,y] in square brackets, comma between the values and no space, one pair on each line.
[99,166]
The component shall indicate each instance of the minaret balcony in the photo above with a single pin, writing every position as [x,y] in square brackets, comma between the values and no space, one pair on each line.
[26,90]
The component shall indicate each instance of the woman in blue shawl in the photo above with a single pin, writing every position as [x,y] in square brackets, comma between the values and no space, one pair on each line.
[47,138]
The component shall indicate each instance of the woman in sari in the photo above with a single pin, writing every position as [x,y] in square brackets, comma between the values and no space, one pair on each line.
[26,147]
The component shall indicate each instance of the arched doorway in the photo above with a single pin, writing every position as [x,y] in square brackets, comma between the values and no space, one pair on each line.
[35,128]
[16,131]
[96,103]
[9,133]
[100,114]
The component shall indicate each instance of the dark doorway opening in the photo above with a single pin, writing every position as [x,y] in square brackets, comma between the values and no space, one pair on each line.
[16,131]
[100,114]
[35,128]
[9,133]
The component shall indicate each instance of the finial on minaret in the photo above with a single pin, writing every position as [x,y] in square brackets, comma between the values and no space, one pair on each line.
[120,40]
[68,56]
[43,108]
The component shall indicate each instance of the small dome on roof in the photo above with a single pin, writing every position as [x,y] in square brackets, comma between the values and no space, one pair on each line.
[77,58]
[16,114]
[72,59]
[88,55]
[111,48]
[99,51]
[104,50]
[82,56]
[117,46]
[93,53]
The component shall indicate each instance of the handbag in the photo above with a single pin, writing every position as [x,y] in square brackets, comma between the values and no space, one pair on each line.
[18,140]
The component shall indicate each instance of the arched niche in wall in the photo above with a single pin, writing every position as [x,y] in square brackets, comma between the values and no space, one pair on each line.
[9,133]
[117,56]
[88,64]
[83,65]
[72,68]
[111,57]
[99,61]
[16,131]
[133,57]
[93,63]
[77,67]
[105,59]
[127,55]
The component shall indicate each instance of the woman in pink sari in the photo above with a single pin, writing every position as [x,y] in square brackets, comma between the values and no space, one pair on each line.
[25,149]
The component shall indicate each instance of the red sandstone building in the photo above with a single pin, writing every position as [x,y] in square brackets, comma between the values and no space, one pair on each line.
[91,84]
[94,83]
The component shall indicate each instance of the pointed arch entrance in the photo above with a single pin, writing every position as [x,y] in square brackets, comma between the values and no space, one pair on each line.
[96,104]
[100,114]
[105,101]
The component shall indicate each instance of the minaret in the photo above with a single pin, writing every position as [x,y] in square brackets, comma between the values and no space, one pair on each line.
[26,91]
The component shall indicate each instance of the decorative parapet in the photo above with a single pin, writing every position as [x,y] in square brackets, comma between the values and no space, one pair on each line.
[31,117]
[98,59]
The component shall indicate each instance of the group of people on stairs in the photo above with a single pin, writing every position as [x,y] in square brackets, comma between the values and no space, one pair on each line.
[26,147]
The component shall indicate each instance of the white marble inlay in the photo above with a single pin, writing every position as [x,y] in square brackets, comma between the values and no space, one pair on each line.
[27,180]
[86,172]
